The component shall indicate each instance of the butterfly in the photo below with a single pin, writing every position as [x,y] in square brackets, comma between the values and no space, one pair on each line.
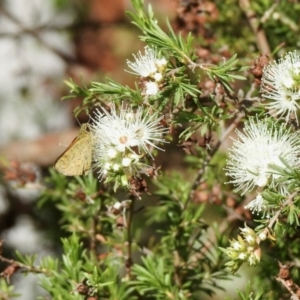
[77,158]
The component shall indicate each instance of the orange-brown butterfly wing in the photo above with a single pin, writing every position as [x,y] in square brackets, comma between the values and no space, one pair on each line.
[77,158]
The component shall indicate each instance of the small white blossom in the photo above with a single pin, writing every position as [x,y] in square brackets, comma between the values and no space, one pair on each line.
[249,239]
[145,65]
[281,84]
[246,230]
[258,204]
[112,153]
[107,166]
[158,77]
[262,236]
[116,167]
[242,256]
[126,162]
[260,147]
[134,156]
[236,245]
[117,205]
[129,116]
[151,88]
[121,139]
[161,63]
[252,260]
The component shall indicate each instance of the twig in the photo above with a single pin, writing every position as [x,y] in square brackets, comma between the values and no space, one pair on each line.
[261,39]
[210,155]
[30,269]
[268,13]
[128,262]
[278,212]
[275,217]
[251,91]
[192,65]
[93,235]
[286,284]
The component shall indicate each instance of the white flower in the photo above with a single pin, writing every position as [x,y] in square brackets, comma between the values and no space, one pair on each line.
[161,63]
[246,230]
[147,131]
[260,147]
[112,153]
[158,77]
[258,204]
[262,236]
[242,256]
[107,166]
[236,245]
[281,84]
[145,65]
[253,259]
[126,161]
[121,139]
[249,239]
[151,88]
[117,205]
[116,167]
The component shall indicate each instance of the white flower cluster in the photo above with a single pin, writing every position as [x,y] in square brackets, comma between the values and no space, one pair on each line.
[122,139]
[259,204]
[252,156]
[150,67]
[245,248]
[281,84]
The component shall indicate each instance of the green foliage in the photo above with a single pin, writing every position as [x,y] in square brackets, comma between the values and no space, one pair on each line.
[6,290]
[183,246]
[223,73]
[276,19]
[77,91]
[82,273]
[249,294]
[80,201]
[181,78]
[116,91]
[183,242]
[154,35]
[154,280]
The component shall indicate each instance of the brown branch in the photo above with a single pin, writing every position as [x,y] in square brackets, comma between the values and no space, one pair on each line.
[286,284]
[30,269]
[285,279]
[278,212]
[210,155]
[93,235]
[275,217]
[128,262]
[255,24]
[4,296]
